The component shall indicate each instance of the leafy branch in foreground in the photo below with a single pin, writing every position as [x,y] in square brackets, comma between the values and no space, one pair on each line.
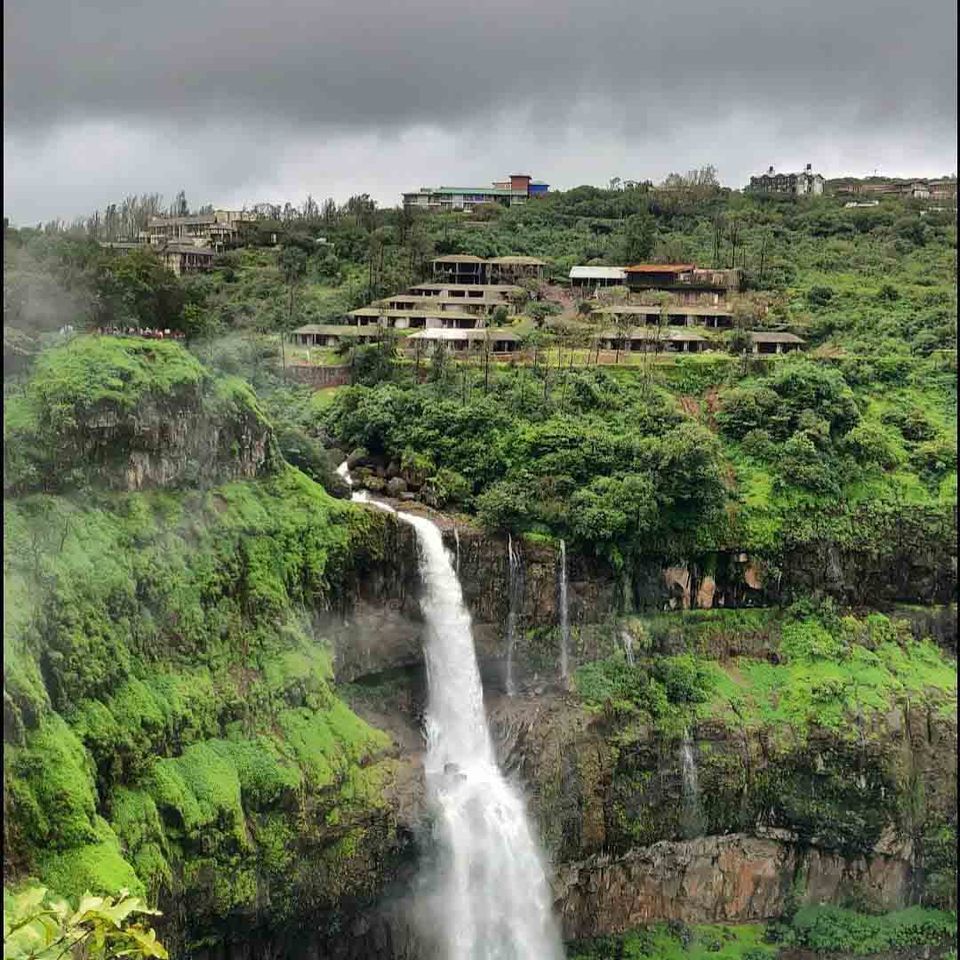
[38,927]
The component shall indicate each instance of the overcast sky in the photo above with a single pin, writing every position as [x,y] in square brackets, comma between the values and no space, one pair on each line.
[238,102]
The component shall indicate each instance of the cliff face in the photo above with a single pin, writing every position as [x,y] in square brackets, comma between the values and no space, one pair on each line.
[171,723]
[734,878]
[910,571]
[785,811]
[385,621]
[177,442]
[771,807]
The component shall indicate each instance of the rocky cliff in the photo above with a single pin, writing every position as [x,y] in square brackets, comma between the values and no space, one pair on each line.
[789,807]
[131,415]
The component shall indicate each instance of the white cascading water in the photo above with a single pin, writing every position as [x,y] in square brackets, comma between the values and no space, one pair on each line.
[515,588]
[564,617]
[692,813]
[493,900]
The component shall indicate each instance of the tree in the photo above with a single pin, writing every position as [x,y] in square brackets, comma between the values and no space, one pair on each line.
[292,262]
[541,309]
[180,207]
[739,342]
[328,212]
[375,260]
[639,235]
[362,210]
[373,363]
[622,323]
[136,288]
[310,209]
[614,509]
[704,177]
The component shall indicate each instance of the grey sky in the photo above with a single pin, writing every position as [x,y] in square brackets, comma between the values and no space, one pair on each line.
[237,101]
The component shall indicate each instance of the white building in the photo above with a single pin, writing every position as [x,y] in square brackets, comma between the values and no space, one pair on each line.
[802,184]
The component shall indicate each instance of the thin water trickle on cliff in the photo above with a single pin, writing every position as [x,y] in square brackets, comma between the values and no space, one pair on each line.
[564,617]
[692,812]
[492,900]
[514,598]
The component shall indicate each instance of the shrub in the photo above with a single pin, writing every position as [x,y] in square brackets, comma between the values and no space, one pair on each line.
[870,444]
[912,422]
[803,465]
[819,296]
[837,929]
[934,459]
[758,443]
[446,487]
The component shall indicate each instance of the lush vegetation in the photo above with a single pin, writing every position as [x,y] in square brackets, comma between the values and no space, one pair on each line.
[679,941]
[794,735]
[626,466]
[829,671]
[827,930]
[836,929]
[171,722]
[707,451]
[96,408]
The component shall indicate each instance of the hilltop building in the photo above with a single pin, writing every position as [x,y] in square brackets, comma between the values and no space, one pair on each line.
[918,188]
[654,341]
[774,342]
[461,268]
[333,335]
[178,257]
[184,258]
[689,283]
[461,342]
[499,292]
[590,278]
[675,316]
[516,190]
[802,184]
[214,229]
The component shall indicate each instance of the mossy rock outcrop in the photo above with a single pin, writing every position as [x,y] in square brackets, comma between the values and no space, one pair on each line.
[131,414]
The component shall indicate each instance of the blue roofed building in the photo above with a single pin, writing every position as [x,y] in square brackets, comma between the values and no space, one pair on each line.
[511,192]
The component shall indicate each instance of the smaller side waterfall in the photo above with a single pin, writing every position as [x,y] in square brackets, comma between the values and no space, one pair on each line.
[456,540]
[514,600]
[692,819]
[626,638]
[564,617]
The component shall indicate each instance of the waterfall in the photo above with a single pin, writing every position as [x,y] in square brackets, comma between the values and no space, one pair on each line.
[627,638]
[564,617]
[514,599]
[693,823]
[456,540]
[493,900]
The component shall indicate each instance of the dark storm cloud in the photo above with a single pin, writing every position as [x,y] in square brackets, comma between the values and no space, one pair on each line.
[240,101]
[382,64]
